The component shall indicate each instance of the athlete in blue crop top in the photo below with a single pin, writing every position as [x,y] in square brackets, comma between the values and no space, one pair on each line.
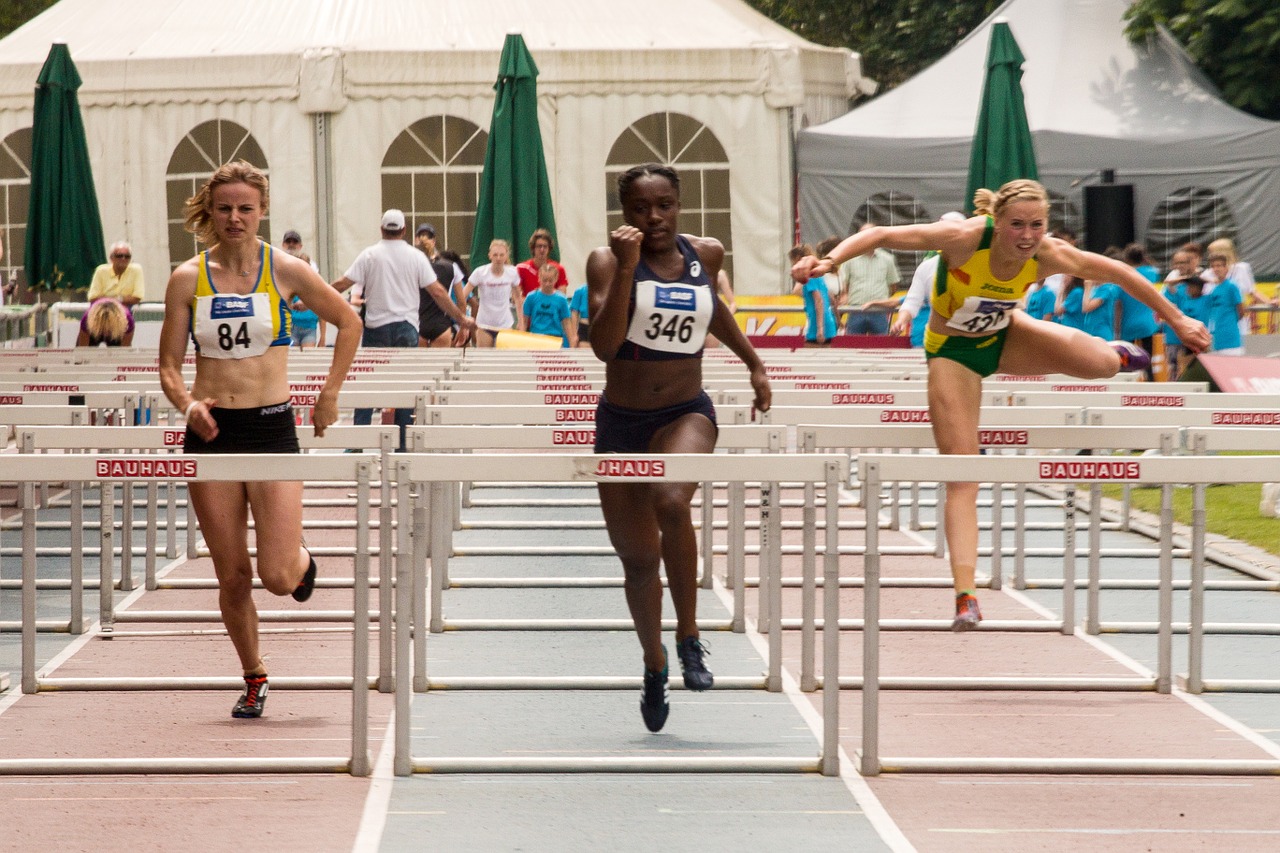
[232,300]
[652,305]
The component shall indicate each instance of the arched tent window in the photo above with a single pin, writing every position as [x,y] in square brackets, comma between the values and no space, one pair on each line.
[206,147]
[15,194]
[1191,214]
[431,171]
[1063,213]
[685,144]
[894,208]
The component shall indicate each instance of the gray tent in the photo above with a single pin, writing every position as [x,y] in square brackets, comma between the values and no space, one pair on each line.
[1200,168]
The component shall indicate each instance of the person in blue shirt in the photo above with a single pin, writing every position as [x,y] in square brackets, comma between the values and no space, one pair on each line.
[1174,351]
[820,325]
[1101,303]
[546,312]
[1195,303]
[1071,314]
[1226,307]
[1138,323]
[1040,303]
[579,315]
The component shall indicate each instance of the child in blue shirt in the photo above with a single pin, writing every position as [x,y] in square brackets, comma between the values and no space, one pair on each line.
[820,326]
[1040,303]
[1195,303]
[546,312]
[579,315]
[1225,309]
[1100,310]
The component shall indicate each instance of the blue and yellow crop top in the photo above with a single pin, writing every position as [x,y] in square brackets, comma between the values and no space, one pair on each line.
[972,299]
[239,325]
[668,320]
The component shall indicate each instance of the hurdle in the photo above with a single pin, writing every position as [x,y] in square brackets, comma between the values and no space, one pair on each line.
[28,470]
[1042,469]
[541,468]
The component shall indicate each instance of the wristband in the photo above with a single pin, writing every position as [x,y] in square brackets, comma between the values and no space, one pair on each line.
[186,414]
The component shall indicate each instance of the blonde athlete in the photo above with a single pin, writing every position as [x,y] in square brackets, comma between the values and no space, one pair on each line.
[978,327]
[232,300]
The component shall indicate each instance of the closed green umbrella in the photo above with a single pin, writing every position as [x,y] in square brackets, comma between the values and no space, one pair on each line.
[1002,148]
[64,231]
[515,195]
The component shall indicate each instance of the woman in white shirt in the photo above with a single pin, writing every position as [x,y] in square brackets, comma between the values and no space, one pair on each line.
[493,291]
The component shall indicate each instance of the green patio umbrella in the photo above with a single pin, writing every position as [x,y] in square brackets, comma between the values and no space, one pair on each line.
[64,231]
[1002,149]
[515,195]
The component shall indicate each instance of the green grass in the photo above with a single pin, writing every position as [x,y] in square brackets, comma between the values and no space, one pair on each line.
[1230,510]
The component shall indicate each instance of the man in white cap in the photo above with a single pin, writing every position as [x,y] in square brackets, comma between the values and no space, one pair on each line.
[390,273]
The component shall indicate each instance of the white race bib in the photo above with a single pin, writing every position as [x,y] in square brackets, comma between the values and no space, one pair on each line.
[671,317]
[231,325]
[978,316]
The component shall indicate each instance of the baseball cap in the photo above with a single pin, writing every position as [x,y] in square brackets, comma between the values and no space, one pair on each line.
[291,236]
[392,220]
[425,228]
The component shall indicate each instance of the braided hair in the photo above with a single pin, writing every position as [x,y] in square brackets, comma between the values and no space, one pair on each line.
[635,173]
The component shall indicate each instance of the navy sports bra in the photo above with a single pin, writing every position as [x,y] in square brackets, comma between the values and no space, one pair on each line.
[668,320]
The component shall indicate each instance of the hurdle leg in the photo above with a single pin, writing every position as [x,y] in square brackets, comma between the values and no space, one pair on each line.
[1195,631]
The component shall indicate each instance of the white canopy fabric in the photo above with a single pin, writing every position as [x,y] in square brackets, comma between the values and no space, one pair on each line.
[1094,101]
[154,69]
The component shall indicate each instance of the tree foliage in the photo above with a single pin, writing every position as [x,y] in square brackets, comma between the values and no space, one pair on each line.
[15,13]
[896,38]
[1236,43]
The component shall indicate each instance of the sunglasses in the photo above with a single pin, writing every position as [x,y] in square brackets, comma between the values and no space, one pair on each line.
[118,255]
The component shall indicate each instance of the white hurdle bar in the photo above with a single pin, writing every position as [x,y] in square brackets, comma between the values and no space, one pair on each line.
[28,470]
[544,468]
[1045,469]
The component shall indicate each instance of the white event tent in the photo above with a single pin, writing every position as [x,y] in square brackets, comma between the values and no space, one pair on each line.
[1094,101]
[325,87]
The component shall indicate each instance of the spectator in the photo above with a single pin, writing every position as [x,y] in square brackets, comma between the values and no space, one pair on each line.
[546,311]
[492,290]
[580,314]
[724,292]
[1226,307]
[435,327]
[106,322]
[1040,302]
[460,275]
[832,279]
[1241,274]
[1101,305]
[1185,263]
[1057,283]
[305,321]
[1195,304]
[540,246]
[868,278]
[120,279]
[1138,323]
[820,320]
[391,272]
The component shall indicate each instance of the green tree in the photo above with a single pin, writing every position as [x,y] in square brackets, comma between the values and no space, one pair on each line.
[15,13]
[896,38]
[1236,43]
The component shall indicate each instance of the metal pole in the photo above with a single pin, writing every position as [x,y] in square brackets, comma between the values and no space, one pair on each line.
[774,682]
[1164,642]
[762,559]
[940,525]
[1195,628]
[386,585]
[27,496]
[808,595]
[870,763]
[403,614]
[1020,536]
[421,546]
[106,578]
[708,532]
[152,536]
[1093,602]
[831,628]
[997,534]
[1069,560]
[360,763]
[77,557]
[126,537]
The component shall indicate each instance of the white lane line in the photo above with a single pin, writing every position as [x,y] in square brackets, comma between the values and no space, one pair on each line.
[966,830]
[15,690]
[872,808]
[377,803]
[1268,746]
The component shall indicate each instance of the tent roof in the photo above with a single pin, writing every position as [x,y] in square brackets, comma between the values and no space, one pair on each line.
[1082,76]
[168,29]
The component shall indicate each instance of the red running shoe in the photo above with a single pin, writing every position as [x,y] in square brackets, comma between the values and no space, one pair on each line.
[967,613]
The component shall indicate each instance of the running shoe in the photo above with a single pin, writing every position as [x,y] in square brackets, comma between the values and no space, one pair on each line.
[653,699]
[308,585]
[1133,358]
[696,675]
[253,700]
[967,613]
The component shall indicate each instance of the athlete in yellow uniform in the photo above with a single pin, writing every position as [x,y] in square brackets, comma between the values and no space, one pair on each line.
[239,325]
[977,328]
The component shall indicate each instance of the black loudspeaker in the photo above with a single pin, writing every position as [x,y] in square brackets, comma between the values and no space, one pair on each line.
[1108,216]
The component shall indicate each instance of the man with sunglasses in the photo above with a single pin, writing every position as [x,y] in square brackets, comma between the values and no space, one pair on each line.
[120,279]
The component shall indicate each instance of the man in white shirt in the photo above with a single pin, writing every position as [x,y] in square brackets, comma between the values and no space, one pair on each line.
[390,273]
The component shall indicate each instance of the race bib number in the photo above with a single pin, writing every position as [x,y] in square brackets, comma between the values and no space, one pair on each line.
[229,325]
[978,316]
[671,317]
